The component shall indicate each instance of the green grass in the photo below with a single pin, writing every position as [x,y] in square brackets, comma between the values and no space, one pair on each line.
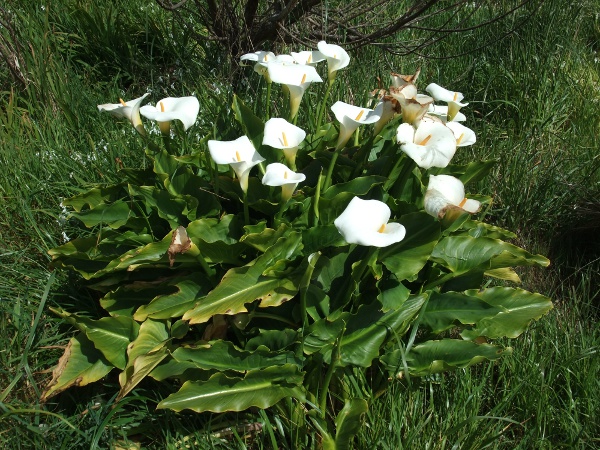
[534,101]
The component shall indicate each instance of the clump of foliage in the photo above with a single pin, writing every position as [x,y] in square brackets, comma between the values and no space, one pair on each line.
[287,286]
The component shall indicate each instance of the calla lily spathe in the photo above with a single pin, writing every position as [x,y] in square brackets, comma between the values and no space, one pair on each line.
[413,108]
[337,58]
[350,117]
[365,222]
[263,58]
[453,99]
[240,154]
[389,108]
[184,109]
[296,77]
[406,91]
[129,110]
[281,134]
[399,80]
[441,112]
[444,191]
[308,57]
[432,144]
[278,174]
[464,136]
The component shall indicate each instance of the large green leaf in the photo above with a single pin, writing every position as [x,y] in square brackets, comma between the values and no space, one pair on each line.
[464,253]
[110,335]
[406,258]
[320,237]
[223,356]
[474,171]
[274,340]
[246,284]
[176,209]
[217,239]
[126,299]
[348,422]
[114,214]
[80,364]
[227,229]
[358,186]
[444,311]
[362,334]
[174,304]
[96,197]
[259,388]
[392,294]
[144,354]
[439,356]
[518,309]
[252,125]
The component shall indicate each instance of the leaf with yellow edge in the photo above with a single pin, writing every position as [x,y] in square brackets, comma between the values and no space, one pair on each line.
[79,365]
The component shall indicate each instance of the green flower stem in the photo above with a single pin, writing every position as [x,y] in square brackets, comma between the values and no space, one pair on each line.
[398,185]
[151,145]
[363,156]
[246,212]
[272,317]
[268,104]
[335,356]
[334,158]
[167,142]
[315,217]
[261,167]
[439,281]
[323,104]
[277,218]
[360,270]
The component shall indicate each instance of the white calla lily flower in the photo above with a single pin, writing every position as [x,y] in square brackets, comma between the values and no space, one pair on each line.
[278,174]
[444,191]
[464,136]
[406,91]
[432,144]
[308,57]
[281,134]
[240,154]
[441,111]
[129,110]
[351,117]
[399,80]
[184,109]
[365,222]
[296,77]
[337,58]
[261,59]
[389,107]
[413,108]
[453,99]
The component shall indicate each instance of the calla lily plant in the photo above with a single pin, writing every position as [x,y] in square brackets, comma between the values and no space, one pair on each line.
[240,303]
